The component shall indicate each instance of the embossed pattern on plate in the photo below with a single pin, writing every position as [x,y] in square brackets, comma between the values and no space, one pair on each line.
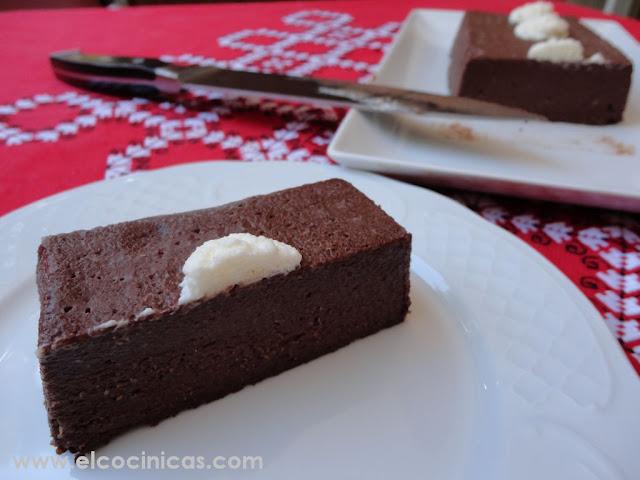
[503,369]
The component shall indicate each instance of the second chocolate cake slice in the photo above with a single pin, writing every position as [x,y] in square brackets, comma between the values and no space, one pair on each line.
[489,62]
[119,347]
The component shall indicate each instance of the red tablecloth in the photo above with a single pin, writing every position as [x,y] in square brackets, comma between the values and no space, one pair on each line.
[54,137]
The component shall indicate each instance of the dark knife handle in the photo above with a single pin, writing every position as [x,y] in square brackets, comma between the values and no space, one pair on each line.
[105,72]
[107,66]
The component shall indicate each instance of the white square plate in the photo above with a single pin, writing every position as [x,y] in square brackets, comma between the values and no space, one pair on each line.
[596,165]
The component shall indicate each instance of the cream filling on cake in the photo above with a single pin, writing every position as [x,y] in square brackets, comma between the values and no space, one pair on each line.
[237,259]
[596,58]
[540,23]
[106,325]
[529,10]
[145,312]
[542,27]
[557,50]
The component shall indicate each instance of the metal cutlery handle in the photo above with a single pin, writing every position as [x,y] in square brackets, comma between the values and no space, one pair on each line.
[154,76]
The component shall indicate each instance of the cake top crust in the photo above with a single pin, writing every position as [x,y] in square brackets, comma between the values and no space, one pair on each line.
[490,36]
[90,280]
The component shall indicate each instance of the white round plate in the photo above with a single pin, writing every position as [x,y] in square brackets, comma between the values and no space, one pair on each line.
[502,369]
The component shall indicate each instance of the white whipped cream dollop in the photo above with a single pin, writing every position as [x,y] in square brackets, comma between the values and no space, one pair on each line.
[596,58]
[145,312]
[542,27]
[557,50]
[237,259]
[530,10]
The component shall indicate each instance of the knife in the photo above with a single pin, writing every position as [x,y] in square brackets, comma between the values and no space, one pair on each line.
[151,76]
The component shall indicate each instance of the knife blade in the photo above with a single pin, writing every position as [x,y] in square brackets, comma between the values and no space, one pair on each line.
[144,76]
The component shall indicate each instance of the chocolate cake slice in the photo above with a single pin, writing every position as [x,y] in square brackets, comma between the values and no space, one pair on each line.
[117,349]
[489,62]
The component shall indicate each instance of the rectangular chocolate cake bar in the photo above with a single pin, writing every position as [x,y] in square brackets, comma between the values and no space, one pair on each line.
[117,349]
[489,62]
